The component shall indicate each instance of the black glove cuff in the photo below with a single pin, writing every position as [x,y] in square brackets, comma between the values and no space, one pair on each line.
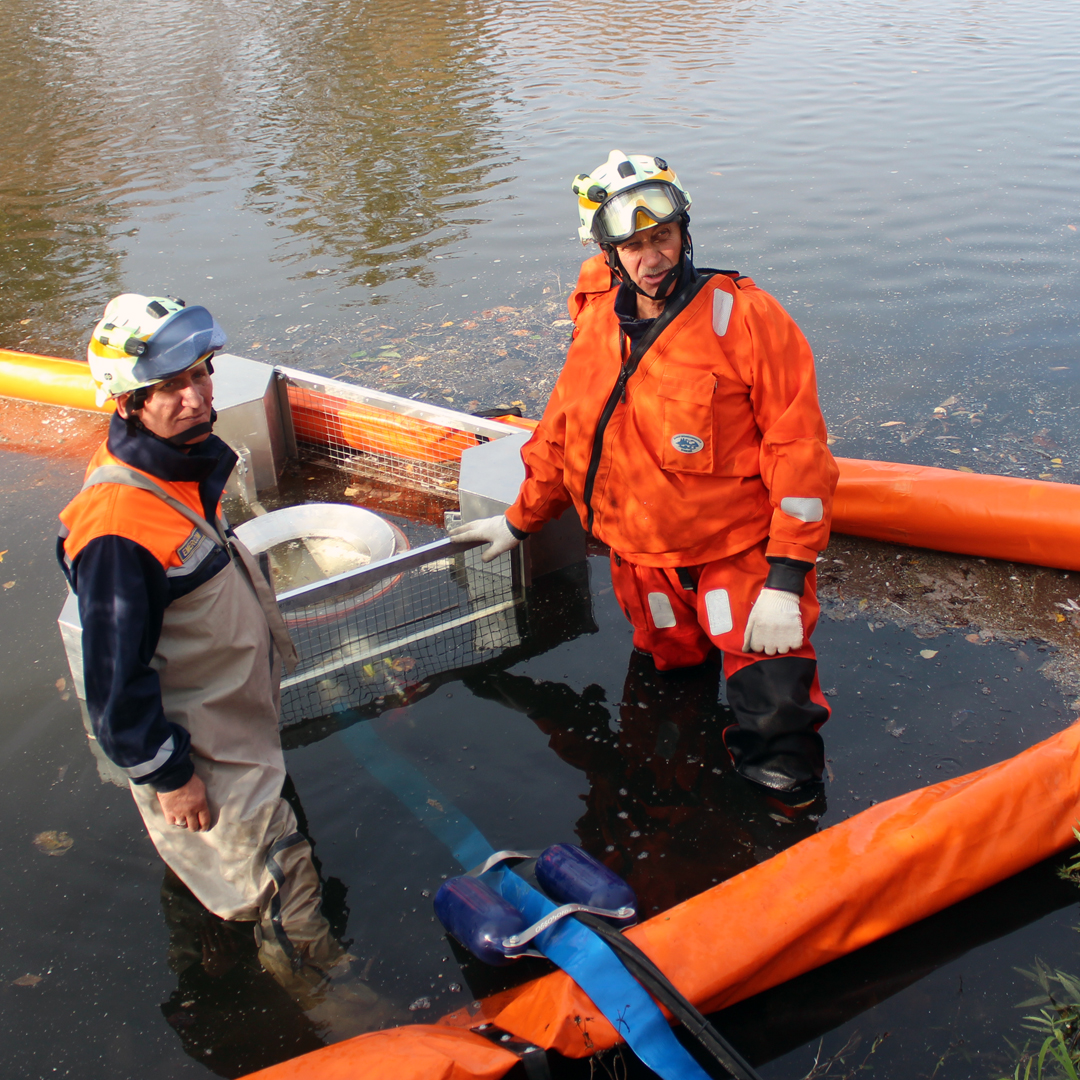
[787,574]
[515,532]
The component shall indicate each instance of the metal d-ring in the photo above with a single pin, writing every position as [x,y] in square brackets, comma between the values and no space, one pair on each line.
[552,917]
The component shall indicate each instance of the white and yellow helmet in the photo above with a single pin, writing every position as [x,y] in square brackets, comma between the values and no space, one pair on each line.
[625,194]
[143,340]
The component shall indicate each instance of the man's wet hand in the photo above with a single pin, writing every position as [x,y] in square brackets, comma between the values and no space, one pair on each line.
[186,807]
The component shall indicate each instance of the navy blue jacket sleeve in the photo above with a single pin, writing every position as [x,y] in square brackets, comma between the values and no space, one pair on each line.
[123,592]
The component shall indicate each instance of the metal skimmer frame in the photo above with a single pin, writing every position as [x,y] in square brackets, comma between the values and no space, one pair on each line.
[366,432]
[375,638]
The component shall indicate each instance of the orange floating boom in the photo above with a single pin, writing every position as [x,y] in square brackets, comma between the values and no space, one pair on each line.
[997,517]
[833,893]
[320,418]
[413,1052]
[49,380]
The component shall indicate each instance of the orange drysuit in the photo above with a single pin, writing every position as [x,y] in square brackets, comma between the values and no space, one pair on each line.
[701,450]
[705,444]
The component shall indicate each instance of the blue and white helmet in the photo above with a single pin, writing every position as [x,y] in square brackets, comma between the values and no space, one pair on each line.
[143,340]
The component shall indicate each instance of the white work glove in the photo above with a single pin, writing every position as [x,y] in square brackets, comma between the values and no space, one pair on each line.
[775,625]
[493,530]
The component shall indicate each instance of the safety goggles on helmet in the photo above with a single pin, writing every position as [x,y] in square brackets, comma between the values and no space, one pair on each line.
[654,202]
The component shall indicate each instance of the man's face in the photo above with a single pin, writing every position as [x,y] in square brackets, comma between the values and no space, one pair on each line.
[649,254]
[177,404]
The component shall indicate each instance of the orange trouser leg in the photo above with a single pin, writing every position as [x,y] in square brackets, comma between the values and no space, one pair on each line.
[777,700]
[663,614]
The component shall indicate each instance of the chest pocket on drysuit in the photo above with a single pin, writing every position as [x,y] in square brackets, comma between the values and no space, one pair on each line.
[686,400]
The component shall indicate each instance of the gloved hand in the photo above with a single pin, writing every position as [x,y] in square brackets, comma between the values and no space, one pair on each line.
[493,530]
[775,625]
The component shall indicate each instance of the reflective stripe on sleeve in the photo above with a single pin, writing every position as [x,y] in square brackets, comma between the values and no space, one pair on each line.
[802,509]
[159,759]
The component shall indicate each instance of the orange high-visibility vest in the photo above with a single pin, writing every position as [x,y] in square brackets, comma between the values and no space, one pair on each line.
[140,516]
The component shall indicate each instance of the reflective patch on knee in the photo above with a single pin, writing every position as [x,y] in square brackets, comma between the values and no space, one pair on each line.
[660,606]
[802,509]
[718,610]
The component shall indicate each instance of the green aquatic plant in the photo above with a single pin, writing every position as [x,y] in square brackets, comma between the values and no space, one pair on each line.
[1057,1025]
[1071,872]
[845,1068]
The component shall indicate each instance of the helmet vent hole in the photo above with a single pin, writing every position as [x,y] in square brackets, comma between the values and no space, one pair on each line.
[159,311]
[626,168]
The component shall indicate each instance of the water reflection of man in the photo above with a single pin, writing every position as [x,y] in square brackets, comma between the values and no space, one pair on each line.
[183,641]
[234,1012]
[685,431]
[229,1014]
[664,808]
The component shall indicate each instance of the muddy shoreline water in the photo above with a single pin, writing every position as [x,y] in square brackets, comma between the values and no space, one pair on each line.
[986,600]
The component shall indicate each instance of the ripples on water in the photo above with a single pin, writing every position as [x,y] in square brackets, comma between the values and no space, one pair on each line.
[902,176]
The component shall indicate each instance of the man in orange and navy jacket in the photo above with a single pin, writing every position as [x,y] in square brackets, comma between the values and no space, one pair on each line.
[182,639]
[686,433]
[125,583]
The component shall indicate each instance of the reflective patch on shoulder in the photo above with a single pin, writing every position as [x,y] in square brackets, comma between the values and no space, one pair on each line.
[802,509]
[718,610]
[192,553]
[660,607]
[722,303]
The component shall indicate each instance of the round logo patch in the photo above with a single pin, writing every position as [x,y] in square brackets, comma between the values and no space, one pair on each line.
[687,444]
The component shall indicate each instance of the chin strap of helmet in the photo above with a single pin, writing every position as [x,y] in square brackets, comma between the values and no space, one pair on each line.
[185,437]
[672,276]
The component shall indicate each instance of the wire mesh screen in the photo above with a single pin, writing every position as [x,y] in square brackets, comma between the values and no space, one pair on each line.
[408,443]
[374,639]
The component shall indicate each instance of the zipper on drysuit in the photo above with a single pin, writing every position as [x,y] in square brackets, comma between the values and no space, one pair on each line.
[618,392]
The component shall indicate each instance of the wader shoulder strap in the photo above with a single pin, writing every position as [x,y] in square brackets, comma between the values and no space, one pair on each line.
[268,602]
[121,474]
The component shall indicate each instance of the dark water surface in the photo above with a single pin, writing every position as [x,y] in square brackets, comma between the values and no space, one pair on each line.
[581,743]
[382,190]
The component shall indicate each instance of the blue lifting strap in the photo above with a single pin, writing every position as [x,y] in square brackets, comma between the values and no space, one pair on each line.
[569,944]
[600,973]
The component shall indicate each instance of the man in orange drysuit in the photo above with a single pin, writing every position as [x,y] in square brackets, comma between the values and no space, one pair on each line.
[686,432]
